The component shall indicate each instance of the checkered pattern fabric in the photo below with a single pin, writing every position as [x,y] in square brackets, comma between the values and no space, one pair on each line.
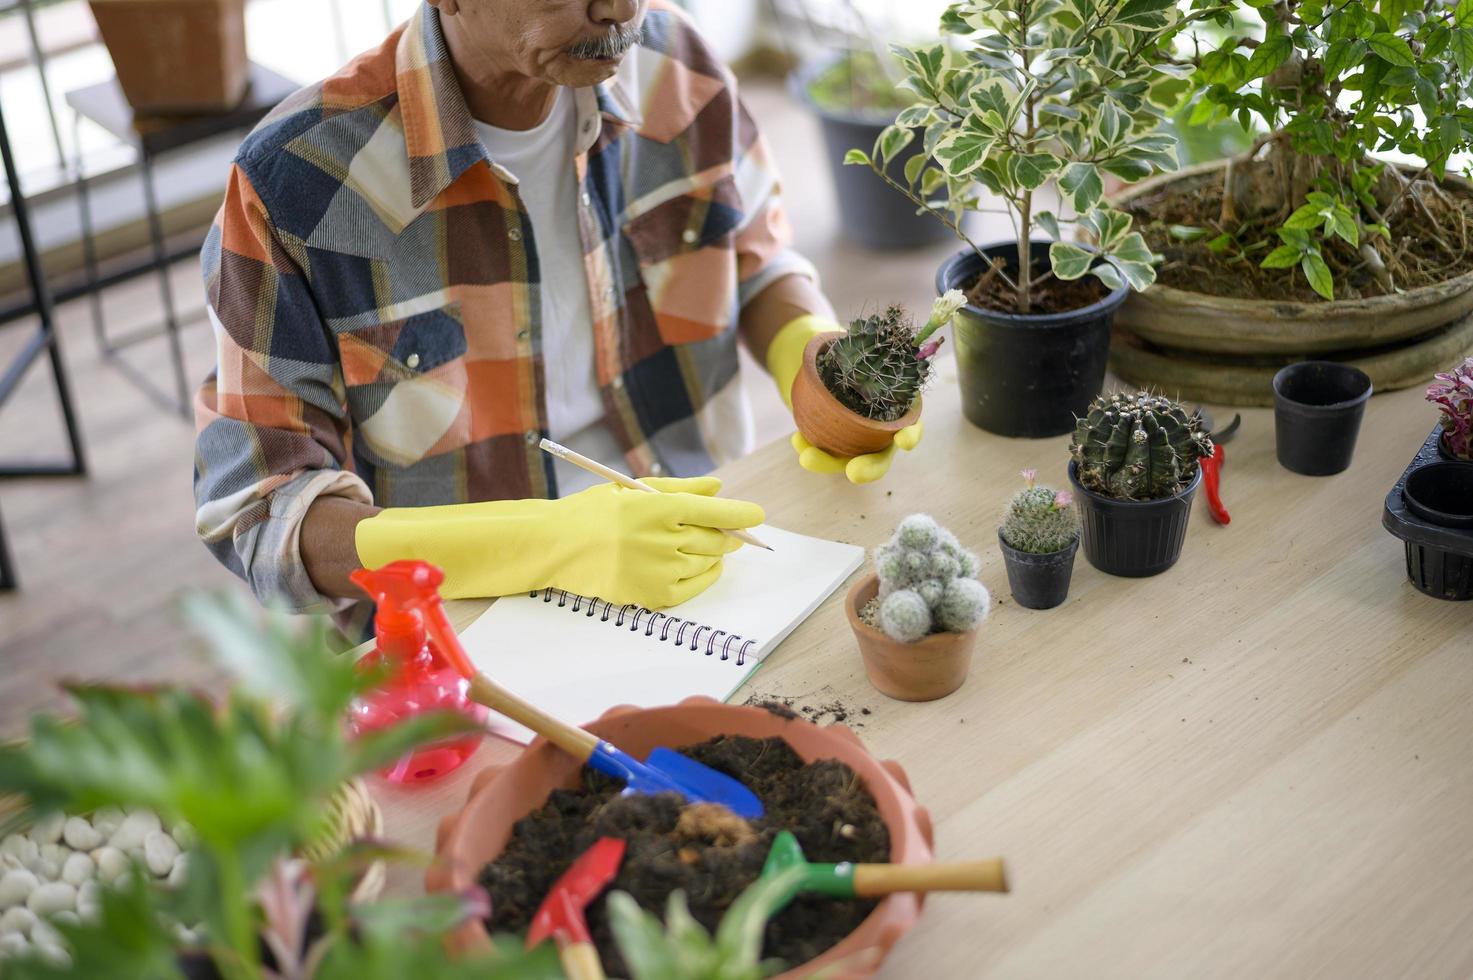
[374,286]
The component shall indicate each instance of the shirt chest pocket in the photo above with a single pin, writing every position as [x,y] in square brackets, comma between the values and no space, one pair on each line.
[406,384]
[686,250]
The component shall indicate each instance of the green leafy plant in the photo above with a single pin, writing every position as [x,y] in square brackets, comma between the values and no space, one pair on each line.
[1330,83]
[1063,91]
[879,367]
[858,82]
[253,776]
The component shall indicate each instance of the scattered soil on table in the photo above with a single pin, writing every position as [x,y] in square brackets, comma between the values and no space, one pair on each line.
[826,713]
[1052,296]
[823,804]
[1192,266]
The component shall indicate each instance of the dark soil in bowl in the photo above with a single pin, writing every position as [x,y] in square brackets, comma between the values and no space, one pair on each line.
[822,803]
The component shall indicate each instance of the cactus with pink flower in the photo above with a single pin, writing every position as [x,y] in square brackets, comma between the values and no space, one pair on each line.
[879,367]
[1040,520]
[1452,392]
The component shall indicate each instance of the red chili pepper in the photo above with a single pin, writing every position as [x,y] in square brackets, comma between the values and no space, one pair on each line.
[1212,478]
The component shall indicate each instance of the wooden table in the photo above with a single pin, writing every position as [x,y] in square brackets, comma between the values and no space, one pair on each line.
[1258,764]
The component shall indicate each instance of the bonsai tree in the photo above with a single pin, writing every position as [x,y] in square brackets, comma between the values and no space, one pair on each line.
[1044,91]
[252,777]
[1040,521]
[879,367]
[1138,446]
[1331,83]
[928,583]
[1453,393]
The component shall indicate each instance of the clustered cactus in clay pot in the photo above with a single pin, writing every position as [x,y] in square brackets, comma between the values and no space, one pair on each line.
[855,390]
[916,617]
[1136,465]
[1452,392]
[1039,536]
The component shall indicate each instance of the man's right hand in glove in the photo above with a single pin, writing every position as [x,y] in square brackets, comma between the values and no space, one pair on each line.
[655,550]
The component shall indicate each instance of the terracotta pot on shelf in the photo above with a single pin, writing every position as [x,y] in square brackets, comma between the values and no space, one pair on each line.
[176,56]
[502,795]
[922,671]
[827,423]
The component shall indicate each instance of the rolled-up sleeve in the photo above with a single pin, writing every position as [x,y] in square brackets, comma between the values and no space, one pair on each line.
[764,238]
[272,428]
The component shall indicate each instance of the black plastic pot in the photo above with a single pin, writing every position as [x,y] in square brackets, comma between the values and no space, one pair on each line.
[1318,407]
[1133,538]
[1028,375]
[871,213]
[1038,581]
[1431,510]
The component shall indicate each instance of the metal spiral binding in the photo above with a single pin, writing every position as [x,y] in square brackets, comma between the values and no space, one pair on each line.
[634,614]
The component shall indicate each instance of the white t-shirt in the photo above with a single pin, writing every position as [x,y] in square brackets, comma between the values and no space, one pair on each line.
[542,160]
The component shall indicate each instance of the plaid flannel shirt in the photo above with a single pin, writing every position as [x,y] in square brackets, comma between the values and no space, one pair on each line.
[373,285]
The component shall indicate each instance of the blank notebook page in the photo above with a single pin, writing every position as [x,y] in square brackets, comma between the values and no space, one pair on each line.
[576,658]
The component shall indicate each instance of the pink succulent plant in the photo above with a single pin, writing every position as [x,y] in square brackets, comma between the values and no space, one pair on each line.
[1452,392]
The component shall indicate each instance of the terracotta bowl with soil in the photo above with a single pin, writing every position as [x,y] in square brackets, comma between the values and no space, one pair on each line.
[827,423]
[523,823]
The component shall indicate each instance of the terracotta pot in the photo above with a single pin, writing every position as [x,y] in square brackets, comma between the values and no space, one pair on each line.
[826,423]
[176,56]
[923,671]
[502,795]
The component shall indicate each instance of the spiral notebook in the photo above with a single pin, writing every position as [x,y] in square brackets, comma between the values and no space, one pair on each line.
[576,657]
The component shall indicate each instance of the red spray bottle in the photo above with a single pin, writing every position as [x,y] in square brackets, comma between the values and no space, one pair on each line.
[423,677]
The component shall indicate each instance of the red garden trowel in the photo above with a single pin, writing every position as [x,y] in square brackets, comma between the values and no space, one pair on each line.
[415,586]
[560,917]
[847,880]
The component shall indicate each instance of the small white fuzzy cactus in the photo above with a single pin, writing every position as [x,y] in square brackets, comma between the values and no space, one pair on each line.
[927,583]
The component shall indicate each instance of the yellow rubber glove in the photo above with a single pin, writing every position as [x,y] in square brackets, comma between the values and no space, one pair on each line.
[784,360]
[655,550]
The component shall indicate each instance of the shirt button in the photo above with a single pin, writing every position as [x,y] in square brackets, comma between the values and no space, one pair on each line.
[521,335]
[587,199]
[532,437]
[611,290]
[618,382]
[689,236]
[656,469]
[515,234]
[412,360]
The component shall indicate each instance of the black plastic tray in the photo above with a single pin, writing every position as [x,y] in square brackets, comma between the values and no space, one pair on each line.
[1439,559]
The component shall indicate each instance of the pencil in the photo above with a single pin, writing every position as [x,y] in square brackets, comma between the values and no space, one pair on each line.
[614,476]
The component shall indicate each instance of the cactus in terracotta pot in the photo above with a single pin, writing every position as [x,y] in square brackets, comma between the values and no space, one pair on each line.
[927,583]
[1138,446]
[1452,392]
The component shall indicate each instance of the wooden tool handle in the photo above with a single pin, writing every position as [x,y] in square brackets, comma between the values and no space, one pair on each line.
[572,740]
[962,876]
[580,961]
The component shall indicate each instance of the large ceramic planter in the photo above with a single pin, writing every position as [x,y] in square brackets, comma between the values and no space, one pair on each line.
[921,671]
[1226,350]
[502,795]
[1133,538]
[176,56]
[871,213]
[825,421]
[1026,375]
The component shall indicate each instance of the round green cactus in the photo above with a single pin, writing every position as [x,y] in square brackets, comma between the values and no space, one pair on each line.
[1138,446]
[1040,520]
[927,582]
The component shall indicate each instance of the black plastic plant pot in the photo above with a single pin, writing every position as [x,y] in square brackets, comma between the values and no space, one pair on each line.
[1431,510]
[871,213]
[1133,538]
[1318,407]
[1038,581]
[1026,375]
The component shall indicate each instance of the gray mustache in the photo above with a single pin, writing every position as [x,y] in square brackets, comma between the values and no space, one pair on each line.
[611,45]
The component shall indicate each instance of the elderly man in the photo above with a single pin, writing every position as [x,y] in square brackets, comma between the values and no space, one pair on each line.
[513,219]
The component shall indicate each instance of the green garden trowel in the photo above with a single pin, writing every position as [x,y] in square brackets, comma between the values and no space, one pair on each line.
[848,880]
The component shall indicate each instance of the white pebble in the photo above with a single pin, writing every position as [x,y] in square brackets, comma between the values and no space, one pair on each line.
[44,934]
[23,849]
[16,887]
[138,825]
[47,830]
[80,835]
[13,944]
[44,869]
[19,920]
[78,869]
[52,897]
[179,871]
[8,861]
[107,820]
[89,891]
[56,853]
[54,953]
[110,862]
[159,851]
[67,916]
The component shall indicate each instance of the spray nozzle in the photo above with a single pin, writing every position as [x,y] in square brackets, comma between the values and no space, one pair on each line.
[407,593]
